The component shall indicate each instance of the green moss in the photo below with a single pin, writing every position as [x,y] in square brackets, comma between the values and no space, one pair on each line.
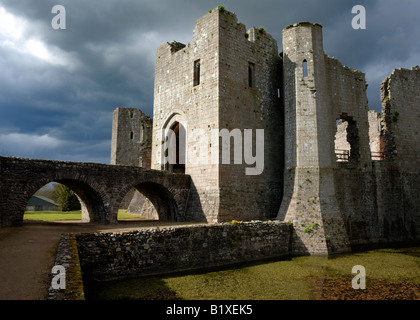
[281,280]
[74,281]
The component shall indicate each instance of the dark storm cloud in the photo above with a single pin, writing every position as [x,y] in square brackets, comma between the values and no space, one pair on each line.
[58,87]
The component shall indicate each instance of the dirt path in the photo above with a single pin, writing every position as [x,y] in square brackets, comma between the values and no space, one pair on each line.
[27,255]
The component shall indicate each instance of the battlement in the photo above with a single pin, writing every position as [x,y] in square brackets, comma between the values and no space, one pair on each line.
[214,26]
[303,24]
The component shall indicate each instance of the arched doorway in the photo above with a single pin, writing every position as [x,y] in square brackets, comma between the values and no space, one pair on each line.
[175,151]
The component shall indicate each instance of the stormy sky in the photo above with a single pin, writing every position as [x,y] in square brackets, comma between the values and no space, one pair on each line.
[58,88]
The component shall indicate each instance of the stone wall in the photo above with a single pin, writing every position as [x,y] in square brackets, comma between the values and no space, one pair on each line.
[348,103]
[68,257]
[106,256]
[400,96]
[380,200]
[255,105]
[379,205]
[376,139]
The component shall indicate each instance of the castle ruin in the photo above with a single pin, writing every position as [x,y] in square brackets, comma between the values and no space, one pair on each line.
[343,175]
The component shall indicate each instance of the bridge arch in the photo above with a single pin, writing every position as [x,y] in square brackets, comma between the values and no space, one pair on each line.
[159,195]
[101,188]
[90,199]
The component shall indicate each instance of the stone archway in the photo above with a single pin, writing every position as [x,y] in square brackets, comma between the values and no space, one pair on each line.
[93,210]
[163,200]
[180,149]
[100,187]
[174,143]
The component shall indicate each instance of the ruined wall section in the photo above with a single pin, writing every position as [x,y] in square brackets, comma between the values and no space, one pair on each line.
[349,103]
[131,138]
[354,183]
[376,139]
[131,145]
[398,190]
[382,205]
[177,99]
[249,83]
[400,97]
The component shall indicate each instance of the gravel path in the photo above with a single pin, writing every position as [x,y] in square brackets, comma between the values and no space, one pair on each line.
[27,254]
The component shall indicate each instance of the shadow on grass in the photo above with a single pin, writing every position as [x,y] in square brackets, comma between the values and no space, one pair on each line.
[130,289]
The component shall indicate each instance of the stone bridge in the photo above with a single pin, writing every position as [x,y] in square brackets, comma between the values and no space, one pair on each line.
[100,188]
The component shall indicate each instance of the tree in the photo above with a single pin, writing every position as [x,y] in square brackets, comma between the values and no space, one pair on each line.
[66,198]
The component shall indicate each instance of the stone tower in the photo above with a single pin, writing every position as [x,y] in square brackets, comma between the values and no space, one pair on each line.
[131,146]
[131,138]
[224,82]
[309,200]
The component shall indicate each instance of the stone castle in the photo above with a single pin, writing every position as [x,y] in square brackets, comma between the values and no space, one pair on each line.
[341,174]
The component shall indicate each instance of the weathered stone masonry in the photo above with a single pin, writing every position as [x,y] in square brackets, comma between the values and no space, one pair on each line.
[369,197]
[101,188]
[343,175]
[106,256]
[223,98]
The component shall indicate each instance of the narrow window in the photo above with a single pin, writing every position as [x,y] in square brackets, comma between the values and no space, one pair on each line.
[196,72]
[251,75]
[305,69]
[278,93]
[131,135]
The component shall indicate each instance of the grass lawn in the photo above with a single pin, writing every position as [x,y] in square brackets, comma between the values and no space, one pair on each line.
[390,274]
[70,215]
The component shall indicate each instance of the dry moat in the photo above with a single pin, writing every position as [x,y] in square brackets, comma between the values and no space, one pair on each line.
[391,274]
